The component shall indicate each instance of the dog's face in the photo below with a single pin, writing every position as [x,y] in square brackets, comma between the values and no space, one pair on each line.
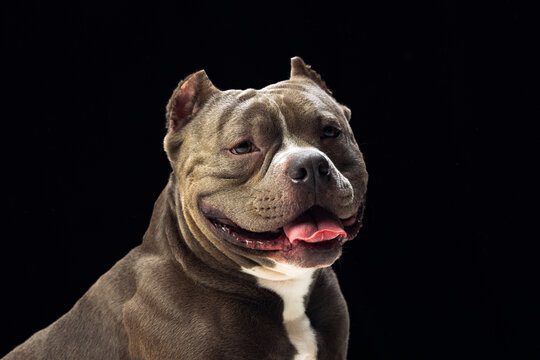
[267,174]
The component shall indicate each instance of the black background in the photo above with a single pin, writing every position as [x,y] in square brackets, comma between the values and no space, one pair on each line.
[439,95]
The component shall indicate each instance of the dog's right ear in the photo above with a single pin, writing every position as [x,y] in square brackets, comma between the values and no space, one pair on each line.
[187,99]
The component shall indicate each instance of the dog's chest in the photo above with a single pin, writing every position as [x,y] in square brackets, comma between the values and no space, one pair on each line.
[297,324]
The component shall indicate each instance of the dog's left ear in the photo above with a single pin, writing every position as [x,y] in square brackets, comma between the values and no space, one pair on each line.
[300,69]
[346,112]
[188,98]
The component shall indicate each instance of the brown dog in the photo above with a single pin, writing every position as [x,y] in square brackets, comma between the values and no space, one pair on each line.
[266,187]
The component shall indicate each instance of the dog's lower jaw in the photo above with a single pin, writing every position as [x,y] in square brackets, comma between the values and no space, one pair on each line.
[298,251]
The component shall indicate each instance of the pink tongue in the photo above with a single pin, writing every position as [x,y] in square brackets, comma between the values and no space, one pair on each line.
[314,226]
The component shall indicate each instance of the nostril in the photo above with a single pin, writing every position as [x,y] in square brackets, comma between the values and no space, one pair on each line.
[324,169]
[298,174]
[308,167]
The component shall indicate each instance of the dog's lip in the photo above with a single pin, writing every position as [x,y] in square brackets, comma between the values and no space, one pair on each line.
[275,240]
[266,241]
[350,220]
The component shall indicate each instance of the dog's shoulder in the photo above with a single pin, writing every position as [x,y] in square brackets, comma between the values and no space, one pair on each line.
[93,327]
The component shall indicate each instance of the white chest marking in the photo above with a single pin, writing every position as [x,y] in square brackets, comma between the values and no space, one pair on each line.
[291,284]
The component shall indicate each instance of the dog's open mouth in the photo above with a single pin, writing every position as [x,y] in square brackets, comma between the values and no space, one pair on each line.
[316,228]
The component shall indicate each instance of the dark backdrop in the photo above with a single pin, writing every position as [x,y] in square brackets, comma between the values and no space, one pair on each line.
[437,92]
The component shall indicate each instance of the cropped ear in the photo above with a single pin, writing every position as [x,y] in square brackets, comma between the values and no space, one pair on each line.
[346,111]
[300,69]
[187,99]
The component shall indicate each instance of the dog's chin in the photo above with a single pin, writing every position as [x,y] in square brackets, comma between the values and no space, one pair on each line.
[303,252]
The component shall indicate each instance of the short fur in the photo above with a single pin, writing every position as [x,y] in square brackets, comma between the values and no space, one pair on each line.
[185,293]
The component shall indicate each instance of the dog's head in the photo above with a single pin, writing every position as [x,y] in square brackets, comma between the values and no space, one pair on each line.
[267,174]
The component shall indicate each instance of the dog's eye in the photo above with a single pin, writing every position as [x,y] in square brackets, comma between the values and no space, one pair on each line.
[330,132]
[244,147]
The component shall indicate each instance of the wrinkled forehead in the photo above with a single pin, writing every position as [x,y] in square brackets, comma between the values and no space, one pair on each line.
[288,104]
[301,99]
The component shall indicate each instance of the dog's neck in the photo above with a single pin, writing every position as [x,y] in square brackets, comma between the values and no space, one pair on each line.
[169,235]
[281,290]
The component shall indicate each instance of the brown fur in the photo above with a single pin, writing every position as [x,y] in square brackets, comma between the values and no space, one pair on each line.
[181,294]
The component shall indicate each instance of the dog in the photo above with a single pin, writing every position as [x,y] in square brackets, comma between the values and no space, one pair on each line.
[266,187]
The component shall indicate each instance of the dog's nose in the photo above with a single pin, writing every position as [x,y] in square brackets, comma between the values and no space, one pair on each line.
[308,166]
